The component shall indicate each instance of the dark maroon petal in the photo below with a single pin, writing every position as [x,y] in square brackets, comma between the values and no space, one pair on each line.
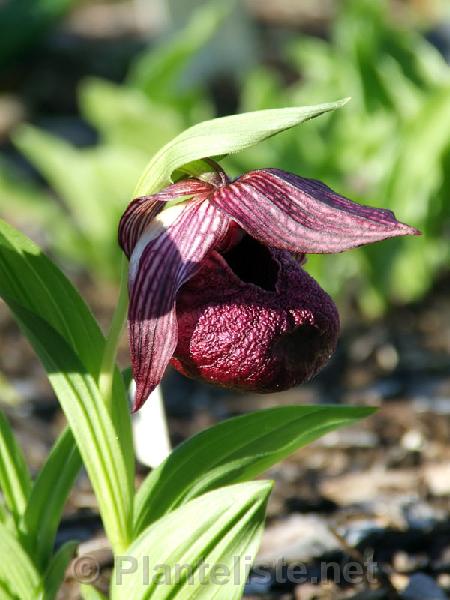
[143,210]
[263,333]
[166,262]
[303,215]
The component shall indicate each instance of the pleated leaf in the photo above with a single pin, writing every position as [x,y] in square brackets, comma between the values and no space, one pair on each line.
[49,495]
[29,278]
[54,575]
[202,550]
[89,421]
[233,451]
[15,482]
[18,576]
[38,292]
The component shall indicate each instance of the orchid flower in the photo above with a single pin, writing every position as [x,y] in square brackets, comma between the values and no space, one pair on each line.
[216,281]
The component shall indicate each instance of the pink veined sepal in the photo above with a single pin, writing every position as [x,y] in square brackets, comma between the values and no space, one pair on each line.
[286,211]
[165,264]
[141,211]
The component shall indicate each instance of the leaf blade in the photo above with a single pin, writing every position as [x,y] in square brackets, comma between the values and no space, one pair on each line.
[54,575]
[49,494]
[234,451]
[89,421]
[222,528]
[50,295]
[17,573]
[223,136]
[15,481]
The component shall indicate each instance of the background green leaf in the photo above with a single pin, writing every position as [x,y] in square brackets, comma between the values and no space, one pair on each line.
[158,70]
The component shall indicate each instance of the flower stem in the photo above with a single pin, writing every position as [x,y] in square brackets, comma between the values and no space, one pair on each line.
[113,338]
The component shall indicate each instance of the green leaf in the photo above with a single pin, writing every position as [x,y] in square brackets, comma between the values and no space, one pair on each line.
[126,117]
[25,201]
[233,451]
[157,70]
[127,376]
[89,421]
[89,592]
[95,190]
[54,575]
[180,555]
[48,496]
[15,482]
[68,173]
[223,136]
[31,280]
[18,577]
[416,170]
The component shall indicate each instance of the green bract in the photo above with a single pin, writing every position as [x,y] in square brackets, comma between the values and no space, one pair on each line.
[221,137]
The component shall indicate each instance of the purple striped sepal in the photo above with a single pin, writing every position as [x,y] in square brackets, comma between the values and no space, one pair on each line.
[214,286]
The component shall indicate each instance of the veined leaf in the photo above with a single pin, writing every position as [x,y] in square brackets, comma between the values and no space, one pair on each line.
[235,450]
[15,482]
[74,184]
[54,575]
[33,281]
[5,516]
[89,421]
[223,136]
[50,295]
[18,576]
[128,119]
[49,495]
[157,70]
[203,549]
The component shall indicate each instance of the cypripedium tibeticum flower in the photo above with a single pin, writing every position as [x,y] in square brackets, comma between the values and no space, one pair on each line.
[216,282]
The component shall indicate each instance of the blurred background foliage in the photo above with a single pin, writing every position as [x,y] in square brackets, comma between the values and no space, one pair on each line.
[68,180]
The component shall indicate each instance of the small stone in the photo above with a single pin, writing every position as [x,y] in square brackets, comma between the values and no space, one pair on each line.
[387,357]
[404,563]
[412,440]
[296,538]
[437,478]
[421,587]
[421,515]
[364,487]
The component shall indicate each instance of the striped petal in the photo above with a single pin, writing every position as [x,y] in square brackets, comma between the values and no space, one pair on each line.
[156,274]
[143,210]
[303,215]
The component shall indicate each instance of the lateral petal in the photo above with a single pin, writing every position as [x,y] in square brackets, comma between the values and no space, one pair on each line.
[286,211]
[165,264]
[141,211]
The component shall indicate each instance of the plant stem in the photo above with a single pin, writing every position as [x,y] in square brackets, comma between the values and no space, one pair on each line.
[113,338]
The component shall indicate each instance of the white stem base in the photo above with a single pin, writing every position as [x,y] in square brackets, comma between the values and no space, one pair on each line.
[151,436]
